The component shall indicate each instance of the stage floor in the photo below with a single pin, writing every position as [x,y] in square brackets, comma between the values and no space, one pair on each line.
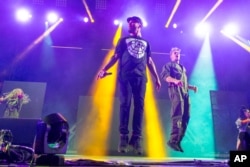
[142,161]
[116,161]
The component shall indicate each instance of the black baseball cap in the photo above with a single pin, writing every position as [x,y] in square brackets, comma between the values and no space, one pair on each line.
[135,19]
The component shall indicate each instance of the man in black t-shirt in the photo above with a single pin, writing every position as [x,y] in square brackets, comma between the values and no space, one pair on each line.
[134,55]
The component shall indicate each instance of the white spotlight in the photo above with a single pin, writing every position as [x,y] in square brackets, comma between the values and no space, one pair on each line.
[230,29]
[86,19]
[145,24]
[52,17]
[174,25]
[23,15]
[117,22]
[202,29]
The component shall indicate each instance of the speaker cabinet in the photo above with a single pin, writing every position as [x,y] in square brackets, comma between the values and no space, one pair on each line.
[23,130]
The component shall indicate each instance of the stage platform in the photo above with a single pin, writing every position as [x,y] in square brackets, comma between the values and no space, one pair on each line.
[131,161]
[143,161]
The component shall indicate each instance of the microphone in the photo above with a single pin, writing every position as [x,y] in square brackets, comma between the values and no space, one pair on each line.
[104,74]
[107,73]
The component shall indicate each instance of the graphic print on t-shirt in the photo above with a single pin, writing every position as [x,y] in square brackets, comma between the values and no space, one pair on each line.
[136,47]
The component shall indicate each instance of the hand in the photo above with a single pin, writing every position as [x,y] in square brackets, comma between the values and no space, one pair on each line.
[178,83]
[1,99]
[158,84]
[195,89]
[103,74]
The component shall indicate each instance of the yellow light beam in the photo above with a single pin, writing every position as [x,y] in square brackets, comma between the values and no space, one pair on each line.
[154,133]
[96,127]
[88,11]
[177,4]
[242,44]
[216,5]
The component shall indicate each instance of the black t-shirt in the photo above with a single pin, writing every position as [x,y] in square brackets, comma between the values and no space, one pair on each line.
[133,53]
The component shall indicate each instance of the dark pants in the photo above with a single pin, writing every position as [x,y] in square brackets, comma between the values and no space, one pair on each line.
[180,114]
[244,139]
[132,88]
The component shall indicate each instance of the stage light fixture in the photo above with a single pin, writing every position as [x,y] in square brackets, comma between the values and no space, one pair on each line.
[23,15]
[175,25]
[144,22]
[52,17]
[202,29]
[231,29]
[51,139]
[116,22]
[85,19]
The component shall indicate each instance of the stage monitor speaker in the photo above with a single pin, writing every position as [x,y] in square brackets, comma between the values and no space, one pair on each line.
[23,130]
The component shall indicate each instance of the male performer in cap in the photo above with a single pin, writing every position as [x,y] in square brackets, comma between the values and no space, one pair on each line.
[134,55]
[174,73]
